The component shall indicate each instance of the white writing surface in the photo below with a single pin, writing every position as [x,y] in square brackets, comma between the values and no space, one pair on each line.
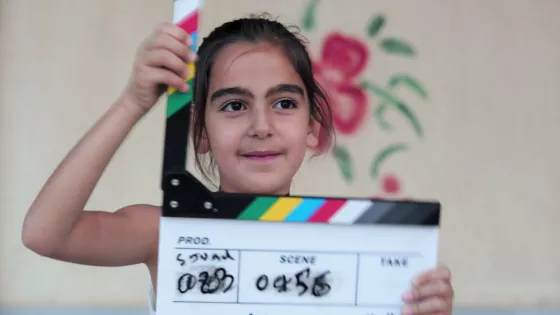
[215,266]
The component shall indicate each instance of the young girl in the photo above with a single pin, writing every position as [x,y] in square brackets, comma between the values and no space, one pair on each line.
[257,107]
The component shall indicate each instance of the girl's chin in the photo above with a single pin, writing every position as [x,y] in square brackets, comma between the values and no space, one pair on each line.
[255,184]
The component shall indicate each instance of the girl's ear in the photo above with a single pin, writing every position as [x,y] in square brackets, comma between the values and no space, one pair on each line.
[204,147]
[313,134]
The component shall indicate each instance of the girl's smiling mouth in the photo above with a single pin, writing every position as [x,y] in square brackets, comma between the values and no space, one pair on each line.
[264,155]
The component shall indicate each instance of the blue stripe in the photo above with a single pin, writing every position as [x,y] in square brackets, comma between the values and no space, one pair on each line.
[305,209]
[194,37]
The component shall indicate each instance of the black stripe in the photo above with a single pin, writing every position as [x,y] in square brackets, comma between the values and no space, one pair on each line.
[176,142]
[232,205]
[411,213]
[374,212]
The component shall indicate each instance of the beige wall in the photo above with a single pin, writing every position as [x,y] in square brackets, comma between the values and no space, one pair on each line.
[489,152]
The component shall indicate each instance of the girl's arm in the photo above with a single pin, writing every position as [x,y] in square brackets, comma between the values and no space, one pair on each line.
[56,224]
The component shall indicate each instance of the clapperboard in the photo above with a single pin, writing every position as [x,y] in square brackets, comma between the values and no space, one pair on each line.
[239,254]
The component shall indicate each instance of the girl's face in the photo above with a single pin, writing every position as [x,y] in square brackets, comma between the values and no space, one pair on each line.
[257,119]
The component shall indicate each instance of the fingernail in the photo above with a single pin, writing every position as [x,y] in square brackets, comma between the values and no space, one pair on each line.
[192,55]
[408,296]
[184,87]
[189,41]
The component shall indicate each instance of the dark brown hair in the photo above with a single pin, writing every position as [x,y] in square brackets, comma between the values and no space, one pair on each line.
[254,29]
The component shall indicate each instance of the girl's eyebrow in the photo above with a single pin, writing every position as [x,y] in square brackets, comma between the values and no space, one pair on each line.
[283,88]
[231,91]
[239,91]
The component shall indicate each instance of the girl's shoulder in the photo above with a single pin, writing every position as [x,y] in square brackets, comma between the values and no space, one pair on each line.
[141,213]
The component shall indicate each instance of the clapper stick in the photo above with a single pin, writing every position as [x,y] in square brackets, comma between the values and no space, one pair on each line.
[185,196]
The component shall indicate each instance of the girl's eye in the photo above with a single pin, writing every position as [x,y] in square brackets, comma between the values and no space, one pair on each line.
[233,106]
[285,104]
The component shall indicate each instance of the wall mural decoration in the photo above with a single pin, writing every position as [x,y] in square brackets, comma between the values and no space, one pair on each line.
[340,66]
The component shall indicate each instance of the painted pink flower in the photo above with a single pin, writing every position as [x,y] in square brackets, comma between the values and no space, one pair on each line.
[344,57]
[391,185]
[390,188]
[342,60]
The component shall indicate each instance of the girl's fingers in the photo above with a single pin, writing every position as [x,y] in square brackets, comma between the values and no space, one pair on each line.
[435,305]
[174,31]
[439,273]
[169,78]
[161,58]
[166,42]
[435,288]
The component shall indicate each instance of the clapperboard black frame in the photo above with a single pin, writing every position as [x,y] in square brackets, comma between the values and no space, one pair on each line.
[185,196]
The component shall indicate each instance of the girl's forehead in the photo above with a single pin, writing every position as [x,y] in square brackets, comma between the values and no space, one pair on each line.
[252,65]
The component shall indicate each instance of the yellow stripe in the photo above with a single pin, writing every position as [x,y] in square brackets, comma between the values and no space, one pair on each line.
[280,209]
[190,67]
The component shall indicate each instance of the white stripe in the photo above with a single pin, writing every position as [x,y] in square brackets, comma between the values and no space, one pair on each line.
[182,8]
[351,211]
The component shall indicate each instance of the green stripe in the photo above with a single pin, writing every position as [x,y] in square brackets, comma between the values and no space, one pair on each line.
[178,100]
[257,208]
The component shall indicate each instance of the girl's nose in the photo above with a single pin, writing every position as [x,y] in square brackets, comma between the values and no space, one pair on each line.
[262,124]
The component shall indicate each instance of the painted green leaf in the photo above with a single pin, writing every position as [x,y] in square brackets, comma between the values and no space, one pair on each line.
[385,95]
[375,25]
[390,99]
[344,162]
[383,156]
[309,15]
[409,82]
[411,117]
[396,46]
[379,116]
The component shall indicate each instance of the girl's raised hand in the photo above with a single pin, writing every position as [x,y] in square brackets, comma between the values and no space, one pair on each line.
[431,294]
[160,62]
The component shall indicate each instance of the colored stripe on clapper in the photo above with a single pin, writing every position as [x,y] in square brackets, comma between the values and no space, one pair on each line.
[291,209]
[351,211]
[327,210]
[341,211]
[305,210]
[280,209]
[189,23]
[257,208]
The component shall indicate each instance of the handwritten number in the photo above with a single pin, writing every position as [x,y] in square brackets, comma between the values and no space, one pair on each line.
[281,283]
[224,278]
[209,283]
[300,283]
[320,285]
[284,283]
[186,282]
[262,282]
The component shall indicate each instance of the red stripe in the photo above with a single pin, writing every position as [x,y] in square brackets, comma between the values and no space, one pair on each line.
[190,22]
[327,210]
